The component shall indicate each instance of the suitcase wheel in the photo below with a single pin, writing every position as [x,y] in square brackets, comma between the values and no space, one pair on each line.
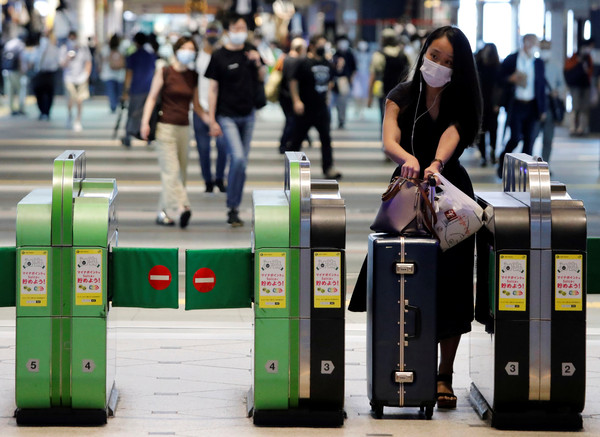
[428,412]
[377,410]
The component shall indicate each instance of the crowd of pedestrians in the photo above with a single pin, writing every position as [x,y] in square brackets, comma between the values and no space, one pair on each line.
[222,70]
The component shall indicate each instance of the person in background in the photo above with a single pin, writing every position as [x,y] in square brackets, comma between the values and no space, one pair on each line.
[45,65]
[488,67]
[556,88]
[388,67]
[360,86]
[522,75]
[178,87]
[112,70]
[138,79]
[235,71]
[344,64]
[76,61]
[579,71]
[14,67]
[63,24]
[201,119]
[310,88]
[290,63]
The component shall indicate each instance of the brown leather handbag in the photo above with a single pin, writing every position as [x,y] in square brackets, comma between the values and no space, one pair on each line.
[406,207]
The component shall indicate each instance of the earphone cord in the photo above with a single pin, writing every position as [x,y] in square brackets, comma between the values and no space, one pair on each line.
[412,134]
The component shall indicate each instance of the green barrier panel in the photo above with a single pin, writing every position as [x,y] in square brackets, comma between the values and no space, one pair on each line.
[271,364]
[8,268]
[144,278]
[593,266]
[88,372]
[219,278]
[33,367]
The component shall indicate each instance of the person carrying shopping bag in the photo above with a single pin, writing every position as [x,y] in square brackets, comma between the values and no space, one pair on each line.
[176,86]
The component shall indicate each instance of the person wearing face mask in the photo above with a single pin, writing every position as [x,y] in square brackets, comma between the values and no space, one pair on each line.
[429,121]
[345,69]
[555,88]
[202,120]
[522,75]
[178,87]
[579,70]
[76,61]
[309,88]
[488,67]
[360,84]
[235,72]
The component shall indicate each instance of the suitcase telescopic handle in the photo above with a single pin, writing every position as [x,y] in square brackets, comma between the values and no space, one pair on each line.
[417,311]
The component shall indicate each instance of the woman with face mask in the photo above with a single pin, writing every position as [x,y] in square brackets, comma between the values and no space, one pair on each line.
[428,123]
[177,86]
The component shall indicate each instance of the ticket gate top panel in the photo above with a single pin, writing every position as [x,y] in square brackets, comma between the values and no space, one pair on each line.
[34,219]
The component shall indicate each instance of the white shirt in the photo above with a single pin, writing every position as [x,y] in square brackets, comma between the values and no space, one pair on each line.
[243,7]
[74,71]
[202,62]
[525,65]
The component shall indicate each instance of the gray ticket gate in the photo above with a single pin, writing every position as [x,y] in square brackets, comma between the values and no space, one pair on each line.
[528,367]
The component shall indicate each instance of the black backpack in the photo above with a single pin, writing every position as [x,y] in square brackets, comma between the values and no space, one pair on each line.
[10,60]
[396,68]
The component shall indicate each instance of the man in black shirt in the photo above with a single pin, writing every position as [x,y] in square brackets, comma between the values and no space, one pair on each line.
[310,90]
[235,72]
[290,63]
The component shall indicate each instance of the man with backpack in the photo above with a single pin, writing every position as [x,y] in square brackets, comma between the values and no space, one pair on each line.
[388,68]
[14,67]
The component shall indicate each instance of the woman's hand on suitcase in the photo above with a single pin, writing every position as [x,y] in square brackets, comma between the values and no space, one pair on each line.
[410,168]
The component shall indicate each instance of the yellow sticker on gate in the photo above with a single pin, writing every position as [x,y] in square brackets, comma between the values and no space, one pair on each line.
[568,282]
[512,283]
[88,277]
[272,280]
[33,281]
[327,285]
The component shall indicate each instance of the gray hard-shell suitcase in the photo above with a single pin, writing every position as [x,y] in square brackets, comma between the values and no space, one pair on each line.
[401,322]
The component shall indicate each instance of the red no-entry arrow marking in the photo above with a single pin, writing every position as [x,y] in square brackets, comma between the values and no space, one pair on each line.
[204,280]
[159,277]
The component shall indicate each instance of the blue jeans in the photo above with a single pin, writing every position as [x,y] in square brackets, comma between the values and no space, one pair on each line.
[114,89]
[203,144]
[237,133]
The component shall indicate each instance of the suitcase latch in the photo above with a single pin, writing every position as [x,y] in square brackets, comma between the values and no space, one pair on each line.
[405,269]
[403,377]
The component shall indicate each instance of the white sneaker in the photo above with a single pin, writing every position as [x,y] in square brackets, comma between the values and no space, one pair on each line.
[77,126]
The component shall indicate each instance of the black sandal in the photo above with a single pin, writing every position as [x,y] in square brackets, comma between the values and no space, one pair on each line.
[446,400]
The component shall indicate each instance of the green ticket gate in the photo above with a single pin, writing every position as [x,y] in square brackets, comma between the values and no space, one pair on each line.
[528,367]
[64,264]
[295,276]
[66,273]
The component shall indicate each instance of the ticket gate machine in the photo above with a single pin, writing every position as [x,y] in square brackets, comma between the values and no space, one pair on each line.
[295,275]
[528,368]
[299,238]
[62,276]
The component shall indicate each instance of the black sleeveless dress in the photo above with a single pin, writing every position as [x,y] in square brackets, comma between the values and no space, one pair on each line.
[455,272]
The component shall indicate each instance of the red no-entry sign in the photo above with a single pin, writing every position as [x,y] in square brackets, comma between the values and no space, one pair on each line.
[204,280]
[159,277]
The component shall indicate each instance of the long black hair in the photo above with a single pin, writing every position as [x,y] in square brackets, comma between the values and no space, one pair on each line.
[461,99]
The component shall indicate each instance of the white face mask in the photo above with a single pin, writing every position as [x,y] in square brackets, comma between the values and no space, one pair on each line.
[185,56]
[237,38]
[435,75]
